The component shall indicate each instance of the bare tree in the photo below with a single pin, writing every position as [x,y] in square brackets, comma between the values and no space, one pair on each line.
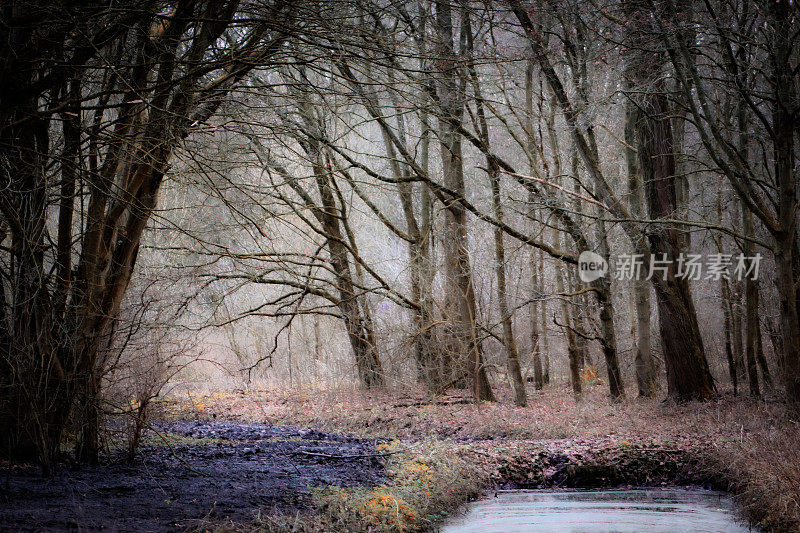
[118,90]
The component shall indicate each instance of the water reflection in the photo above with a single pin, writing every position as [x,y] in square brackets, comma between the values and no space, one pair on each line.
[650,510]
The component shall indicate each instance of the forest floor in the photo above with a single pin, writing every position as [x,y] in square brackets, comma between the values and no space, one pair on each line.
[312,460]
[200,473]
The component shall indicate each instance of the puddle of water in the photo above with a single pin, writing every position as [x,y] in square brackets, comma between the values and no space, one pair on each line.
[651,510]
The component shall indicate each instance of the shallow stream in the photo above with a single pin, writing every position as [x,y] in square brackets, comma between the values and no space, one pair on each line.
[600,511]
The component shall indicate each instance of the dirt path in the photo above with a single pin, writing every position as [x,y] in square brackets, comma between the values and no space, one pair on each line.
[229,472]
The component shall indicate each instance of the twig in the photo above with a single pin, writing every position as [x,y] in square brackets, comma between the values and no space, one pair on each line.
[578,333]
[559,187]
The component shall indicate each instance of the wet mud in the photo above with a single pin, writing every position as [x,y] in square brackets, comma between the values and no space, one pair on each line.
[227,472]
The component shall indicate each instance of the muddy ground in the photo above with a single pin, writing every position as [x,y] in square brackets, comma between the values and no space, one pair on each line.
[237,473]
[437,454]
[229,472]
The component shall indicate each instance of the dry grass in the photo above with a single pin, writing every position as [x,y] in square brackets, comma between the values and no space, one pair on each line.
[426,479]
[752,446]
[763,470]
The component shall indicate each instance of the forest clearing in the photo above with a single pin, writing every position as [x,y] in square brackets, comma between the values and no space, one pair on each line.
[305,265]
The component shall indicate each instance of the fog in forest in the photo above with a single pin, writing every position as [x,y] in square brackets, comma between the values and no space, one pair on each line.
[498,204]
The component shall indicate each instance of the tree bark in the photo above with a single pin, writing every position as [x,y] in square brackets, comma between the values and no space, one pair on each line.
[751,299]
[573,350]
[726,316]
[644,363]
[688,375]
[545,338]
[359,327]
[784,124]
[512,353]
[462,345]
[762,361]
[535,279]
[616,387]
[332,218]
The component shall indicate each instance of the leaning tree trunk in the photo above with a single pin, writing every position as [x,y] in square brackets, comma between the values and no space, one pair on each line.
[359,327]
[333,219]
[688,375]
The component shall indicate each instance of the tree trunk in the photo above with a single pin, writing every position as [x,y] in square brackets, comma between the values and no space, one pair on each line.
[359,328]
[506,318]
[573,350]
[784,124]
[428,367]
[726,316]
[644,363]
[616,387]
[725,304]
[738,318]
[333,220]
[688,375]
[762,361]
[535,279]
[512,354]
[88,446]
[537,342]
[751,301]
[462,345]
[545,338]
